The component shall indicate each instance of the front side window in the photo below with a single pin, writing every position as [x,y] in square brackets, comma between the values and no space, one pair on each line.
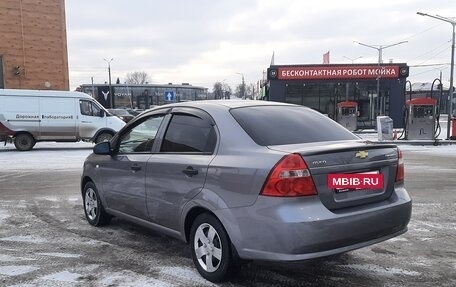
[188,133]
[141,138]
[89,108]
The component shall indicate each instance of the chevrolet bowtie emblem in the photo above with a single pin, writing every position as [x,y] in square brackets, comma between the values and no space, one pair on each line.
[361,154]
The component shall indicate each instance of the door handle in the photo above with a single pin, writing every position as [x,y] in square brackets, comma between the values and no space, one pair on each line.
[135,167]
[189,171]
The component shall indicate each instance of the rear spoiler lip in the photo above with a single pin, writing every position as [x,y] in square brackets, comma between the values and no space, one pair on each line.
[337,146]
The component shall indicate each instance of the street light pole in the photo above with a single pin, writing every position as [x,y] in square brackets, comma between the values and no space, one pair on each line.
[111,96]
[347,84]
[450,105]
[379,48]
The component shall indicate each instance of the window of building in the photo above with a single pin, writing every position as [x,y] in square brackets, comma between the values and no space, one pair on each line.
[324,96]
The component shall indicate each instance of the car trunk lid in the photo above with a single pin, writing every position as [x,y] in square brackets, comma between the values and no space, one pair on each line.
[348,157]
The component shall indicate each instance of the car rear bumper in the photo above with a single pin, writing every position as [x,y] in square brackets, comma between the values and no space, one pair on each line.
[292,229]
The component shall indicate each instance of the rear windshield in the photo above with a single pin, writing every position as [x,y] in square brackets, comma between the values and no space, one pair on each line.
[280,125]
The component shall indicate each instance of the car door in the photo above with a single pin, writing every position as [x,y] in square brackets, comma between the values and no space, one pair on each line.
[177,171]
[123,174]
[91,119]
[58,118]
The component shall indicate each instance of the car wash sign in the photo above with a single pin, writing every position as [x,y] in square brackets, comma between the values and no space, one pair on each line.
[326,72]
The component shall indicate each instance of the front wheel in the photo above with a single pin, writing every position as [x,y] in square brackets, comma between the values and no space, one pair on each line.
[93,208]
[24,142]
[103,137]
[211,249]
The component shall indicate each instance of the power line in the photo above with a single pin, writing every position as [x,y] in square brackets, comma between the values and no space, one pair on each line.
[422,32]
[426,71]
[434,49]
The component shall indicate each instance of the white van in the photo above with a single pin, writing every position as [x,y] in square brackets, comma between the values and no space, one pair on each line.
[29,116]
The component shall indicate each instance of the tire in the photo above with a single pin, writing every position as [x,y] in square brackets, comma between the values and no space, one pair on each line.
[103,137]
[24,142]
[208,239]
[93,208]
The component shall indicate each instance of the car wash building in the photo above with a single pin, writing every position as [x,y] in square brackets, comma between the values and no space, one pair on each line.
[376,89]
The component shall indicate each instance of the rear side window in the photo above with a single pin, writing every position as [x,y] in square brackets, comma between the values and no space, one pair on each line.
[187,133]
[280,125]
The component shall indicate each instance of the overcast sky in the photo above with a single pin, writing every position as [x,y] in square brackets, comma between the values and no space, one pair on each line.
[204,41]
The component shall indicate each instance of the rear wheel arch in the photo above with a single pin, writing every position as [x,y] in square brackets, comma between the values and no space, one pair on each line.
[192,214]
[197,206]
[214,256]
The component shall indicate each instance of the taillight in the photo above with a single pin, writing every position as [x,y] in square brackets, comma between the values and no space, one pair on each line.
[289,177]
[400,174]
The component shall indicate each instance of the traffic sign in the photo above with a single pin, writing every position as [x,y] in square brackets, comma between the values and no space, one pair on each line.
[169,96]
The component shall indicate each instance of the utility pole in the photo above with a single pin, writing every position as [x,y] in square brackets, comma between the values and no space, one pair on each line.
[111,95]
[93,89]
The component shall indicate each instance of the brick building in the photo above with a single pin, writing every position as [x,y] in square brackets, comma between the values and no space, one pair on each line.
[33,45]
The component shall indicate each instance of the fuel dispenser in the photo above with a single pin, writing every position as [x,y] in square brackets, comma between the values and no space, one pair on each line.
[347,115]
[421,119]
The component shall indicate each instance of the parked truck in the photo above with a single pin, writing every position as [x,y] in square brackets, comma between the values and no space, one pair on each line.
[30,116]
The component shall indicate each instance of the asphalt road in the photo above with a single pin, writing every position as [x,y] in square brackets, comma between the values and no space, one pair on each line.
[45,240]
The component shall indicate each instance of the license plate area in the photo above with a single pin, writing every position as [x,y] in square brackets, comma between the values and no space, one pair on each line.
[348,182]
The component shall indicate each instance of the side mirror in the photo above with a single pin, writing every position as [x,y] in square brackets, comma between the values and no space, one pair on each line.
[103,148]
[102,113]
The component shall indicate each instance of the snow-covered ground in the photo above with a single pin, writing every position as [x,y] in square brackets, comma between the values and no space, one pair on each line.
[46,242]
[57,156]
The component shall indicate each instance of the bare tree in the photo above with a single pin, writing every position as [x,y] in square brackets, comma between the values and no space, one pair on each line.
[218,90]
[227,92]
[222,91]
[137,78]
[244,91]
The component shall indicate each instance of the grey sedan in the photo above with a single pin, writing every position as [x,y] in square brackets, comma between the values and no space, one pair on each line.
[248,180]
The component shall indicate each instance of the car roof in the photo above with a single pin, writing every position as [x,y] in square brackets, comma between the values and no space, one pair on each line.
[43,93]
[229,104]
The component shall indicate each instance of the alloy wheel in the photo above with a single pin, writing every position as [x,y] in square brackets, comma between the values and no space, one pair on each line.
[91,204]
[208,248]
